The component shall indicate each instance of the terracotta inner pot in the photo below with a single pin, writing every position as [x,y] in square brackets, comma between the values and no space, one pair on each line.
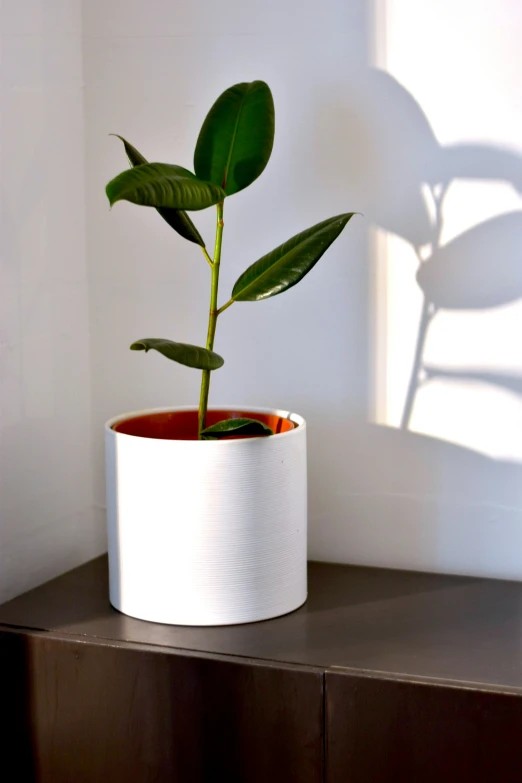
[183,425]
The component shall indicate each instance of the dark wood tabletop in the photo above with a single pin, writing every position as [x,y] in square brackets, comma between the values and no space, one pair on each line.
[403,624]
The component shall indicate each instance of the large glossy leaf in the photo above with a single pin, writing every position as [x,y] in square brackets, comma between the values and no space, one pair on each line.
[163,185]
[478,269]
[236,427]
[189,355]
[236,139]
[176,218]
[289,263]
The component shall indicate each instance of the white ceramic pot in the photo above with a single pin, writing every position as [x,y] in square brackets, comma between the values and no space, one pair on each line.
[206,532]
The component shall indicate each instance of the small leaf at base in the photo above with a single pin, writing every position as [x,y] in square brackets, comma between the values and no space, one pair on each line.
[240,426]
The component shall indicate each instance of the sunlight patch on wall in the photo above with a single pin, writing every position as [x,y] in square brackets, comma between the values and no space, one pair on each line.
[448,339]
[470,374]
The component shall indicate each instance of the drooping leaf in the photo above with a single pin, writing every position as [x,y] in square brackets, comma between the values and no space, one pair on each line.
[237,136]
[478,269]
[183,353]
[239,426]
[176,218]
[285,266]
[163,185]
[180,222]
[135,157]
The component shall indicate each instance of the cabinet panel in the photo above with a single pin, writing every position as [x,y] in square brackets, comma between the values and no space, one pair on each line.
[391,731]
[90,712]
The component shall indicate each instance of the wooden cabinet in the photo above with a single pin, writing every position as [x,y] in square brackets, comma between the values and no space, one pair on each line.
[90,711]
[383,677]
[392,730]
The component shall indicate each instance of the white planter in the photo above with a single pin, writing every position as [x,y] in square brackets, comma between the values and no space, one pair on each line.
[206,532]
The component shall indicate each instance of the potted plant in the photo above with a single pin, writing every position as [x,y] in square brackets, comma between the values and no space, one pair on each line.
[207,508]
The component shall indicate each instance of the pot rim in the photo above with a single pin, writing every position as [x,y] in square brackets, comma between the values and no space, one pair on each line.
[298,420]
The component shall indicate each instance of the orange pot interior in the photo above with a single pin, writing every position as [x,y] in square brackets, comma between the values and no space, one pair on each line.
[183,425]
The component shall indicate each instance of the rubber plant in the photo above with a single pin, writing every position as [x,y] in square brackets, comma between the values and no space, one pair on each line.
[232,150]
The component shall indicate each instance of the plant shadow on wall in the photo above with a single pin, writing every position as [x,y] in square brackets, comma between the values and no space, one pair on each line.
[407,498]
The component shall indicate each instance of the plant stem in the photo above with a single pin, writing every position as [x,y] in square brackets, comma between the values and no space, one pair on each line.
[224,307]
[212,319]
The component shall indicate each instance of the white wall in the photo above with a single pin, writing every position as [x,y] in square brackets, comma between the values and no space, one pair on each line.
[46,505]
[444,494]
[348,137]
[153,70]
[450,489]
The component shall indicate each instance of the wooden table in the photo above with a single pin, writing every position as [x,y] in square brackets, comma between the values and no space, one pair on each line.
[382,677]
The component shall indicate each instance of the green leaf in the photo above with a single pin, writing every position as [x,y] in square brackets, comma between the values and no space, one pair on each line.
[189,355]
[135,157]
[236,427]
[180,222]
[237,136]
[163,185]
[176,218]
[289,263]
